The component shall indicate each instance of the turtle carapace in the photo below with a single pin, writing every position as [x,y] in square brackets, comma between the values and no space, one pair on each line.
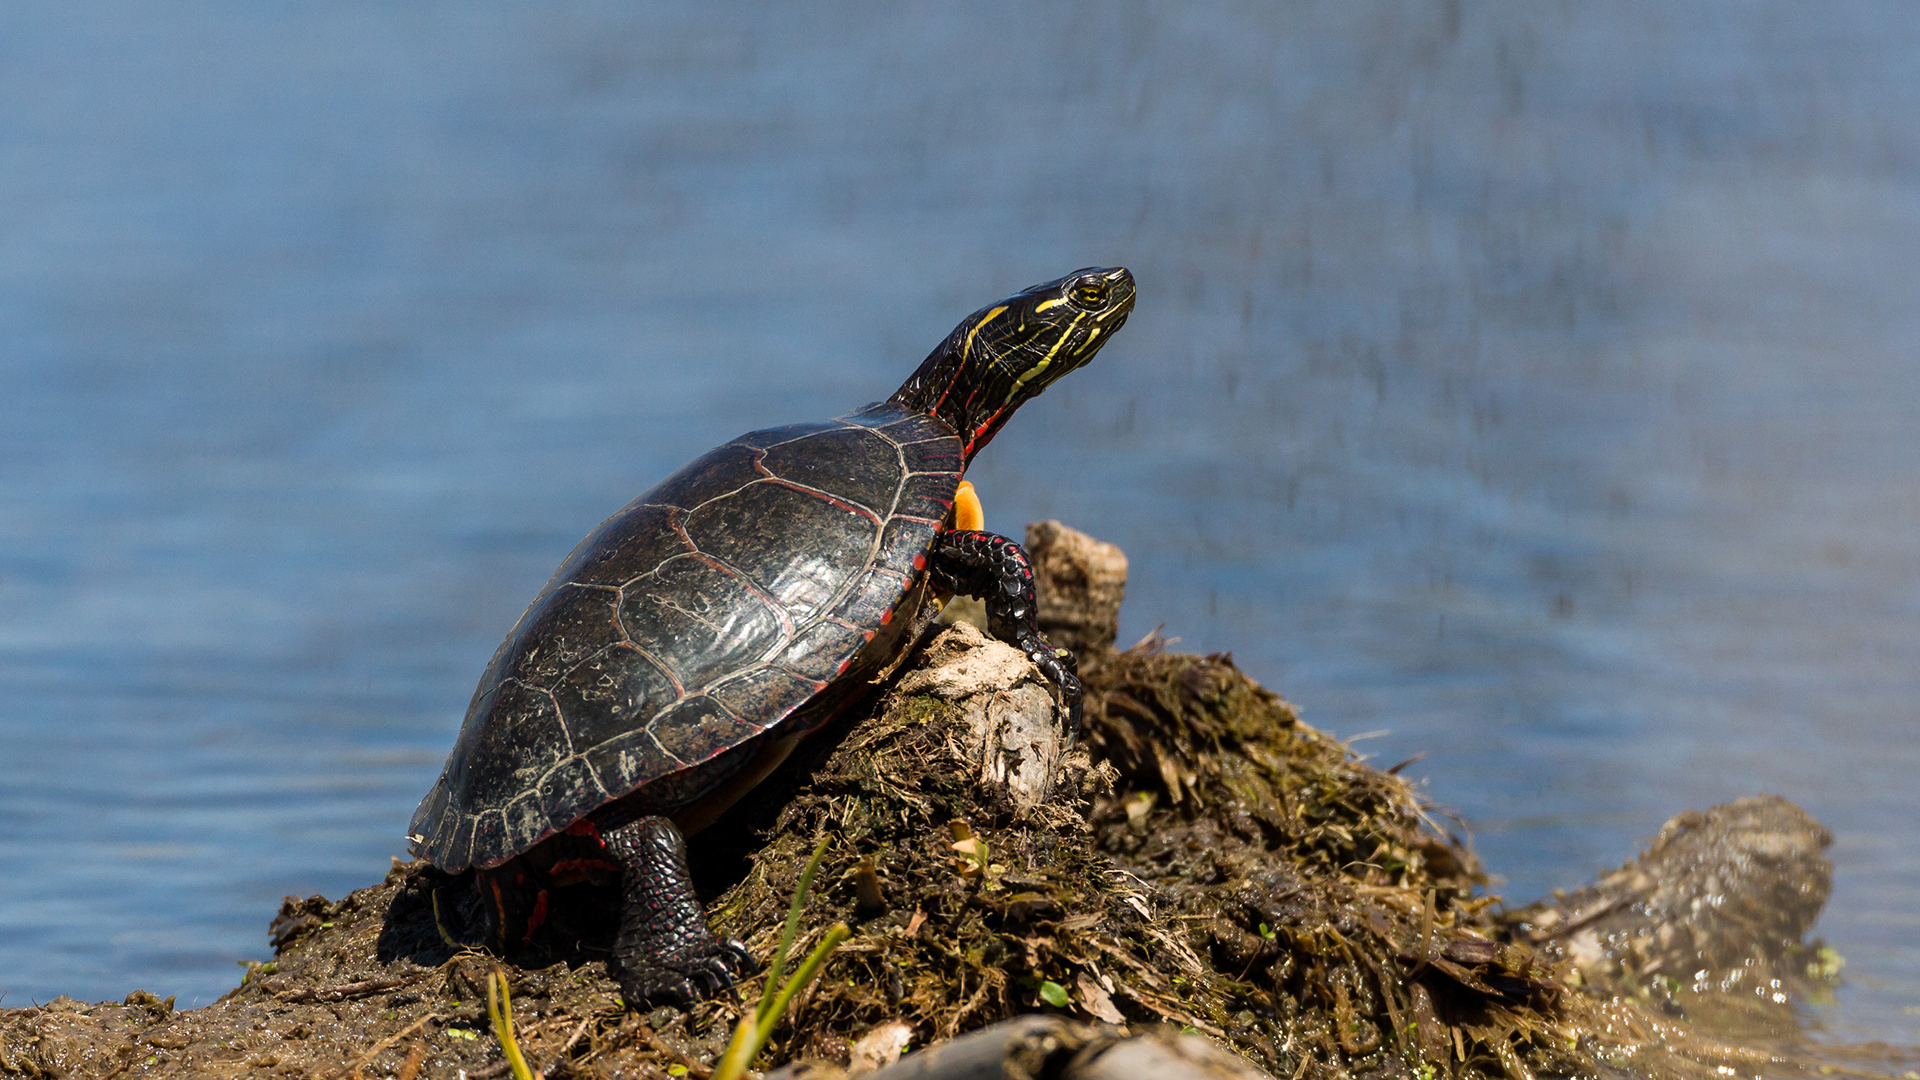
[684,647]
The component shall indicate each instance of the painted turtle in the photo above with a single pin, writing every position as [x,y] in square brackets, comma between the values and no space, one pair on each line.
[685,647]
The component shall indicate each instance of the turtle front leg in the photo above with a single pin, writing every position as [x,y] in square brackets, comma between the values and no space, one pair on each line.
[994,569]
[666,953]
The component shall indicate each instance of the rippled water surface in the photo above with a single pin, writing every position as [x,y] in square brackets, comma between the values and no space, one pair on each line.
[1534,384]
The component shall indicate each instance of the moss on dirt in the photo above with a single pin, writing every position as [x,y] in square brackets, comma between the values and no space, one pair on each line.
[1207,860]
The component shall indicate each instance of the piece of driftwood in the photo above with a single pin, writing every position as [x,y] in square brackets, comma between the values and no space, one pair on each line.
[1080,582]
[1732,889]
[1014,738]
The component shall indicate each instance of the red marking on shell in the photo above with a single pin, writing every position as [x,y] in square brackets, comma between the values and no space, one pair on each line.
[819,686]
[583,827]
[920,561]
[885,618]
[538,916]
[842,669]
[823,496]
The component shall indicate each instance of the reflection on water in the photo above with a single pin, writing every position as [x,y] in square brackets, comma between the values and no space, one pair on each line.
[1534,385]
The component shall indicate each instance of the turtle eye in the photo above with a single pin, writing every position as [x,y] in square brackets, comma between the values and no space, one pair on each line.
[1090,293]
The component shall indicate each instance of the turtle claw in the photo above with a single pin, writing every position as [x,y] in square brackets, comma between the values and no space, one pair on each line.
[653,986]
[687,977]
[1061,668]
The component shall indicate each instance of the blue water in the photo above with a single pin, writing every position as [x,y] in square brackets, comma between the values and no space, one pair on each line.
[1536,384]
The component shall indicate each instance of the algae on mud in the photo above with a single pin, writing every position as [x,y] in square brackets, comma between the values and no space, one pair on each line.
[1204,859]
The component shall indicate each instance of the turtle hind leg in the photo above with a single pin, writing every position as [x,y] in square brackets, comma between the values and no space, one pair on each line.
[664,951]
[448,923]
[994,569]
[466,910]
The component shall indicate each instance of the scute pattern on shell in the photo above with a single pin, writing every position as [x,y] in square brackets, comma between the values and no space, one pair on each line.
[691,622]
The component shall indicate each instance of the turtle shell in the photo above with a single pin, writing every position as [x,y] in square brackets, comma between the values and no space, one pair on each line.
[692,623]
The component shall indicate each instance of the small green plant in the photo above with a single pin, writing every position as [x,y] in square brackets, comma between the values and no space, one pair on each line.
[256,969]
[757,1027]
[500,1012]
[1826,964]
[1054,994]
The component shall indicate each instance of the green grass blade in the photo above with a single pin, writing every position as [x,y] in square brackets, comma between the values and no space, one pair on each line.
[777,966]
[802,976]
[500,1012]
[754,1031]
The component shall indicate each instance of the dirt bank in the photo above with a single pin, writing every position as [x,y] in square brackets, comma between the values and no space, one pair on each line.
[1202,859]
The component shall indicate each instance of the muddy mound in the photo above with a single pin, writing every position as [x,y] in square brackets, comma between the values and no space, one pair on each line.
[1202,859]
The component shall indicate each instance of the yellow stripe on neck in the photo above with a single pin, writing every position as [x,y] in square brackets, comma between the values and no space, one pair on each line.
[966,350]
[1027,376]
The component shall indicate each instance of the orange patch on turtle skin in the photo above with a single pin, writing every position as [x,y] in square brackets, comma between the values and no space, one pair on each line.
[583,827]
[968,516]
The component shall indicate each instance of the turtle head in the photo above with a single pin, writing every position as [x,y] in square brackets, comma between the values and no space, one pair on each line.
[1006,353]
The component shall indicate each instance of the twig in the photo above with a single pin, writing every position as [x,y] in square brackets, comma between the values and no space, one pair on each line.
[416,1054]
[353,1069]
[344,990]
[566,1048]
[696,1069]
[1426,937]
[574,1038]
